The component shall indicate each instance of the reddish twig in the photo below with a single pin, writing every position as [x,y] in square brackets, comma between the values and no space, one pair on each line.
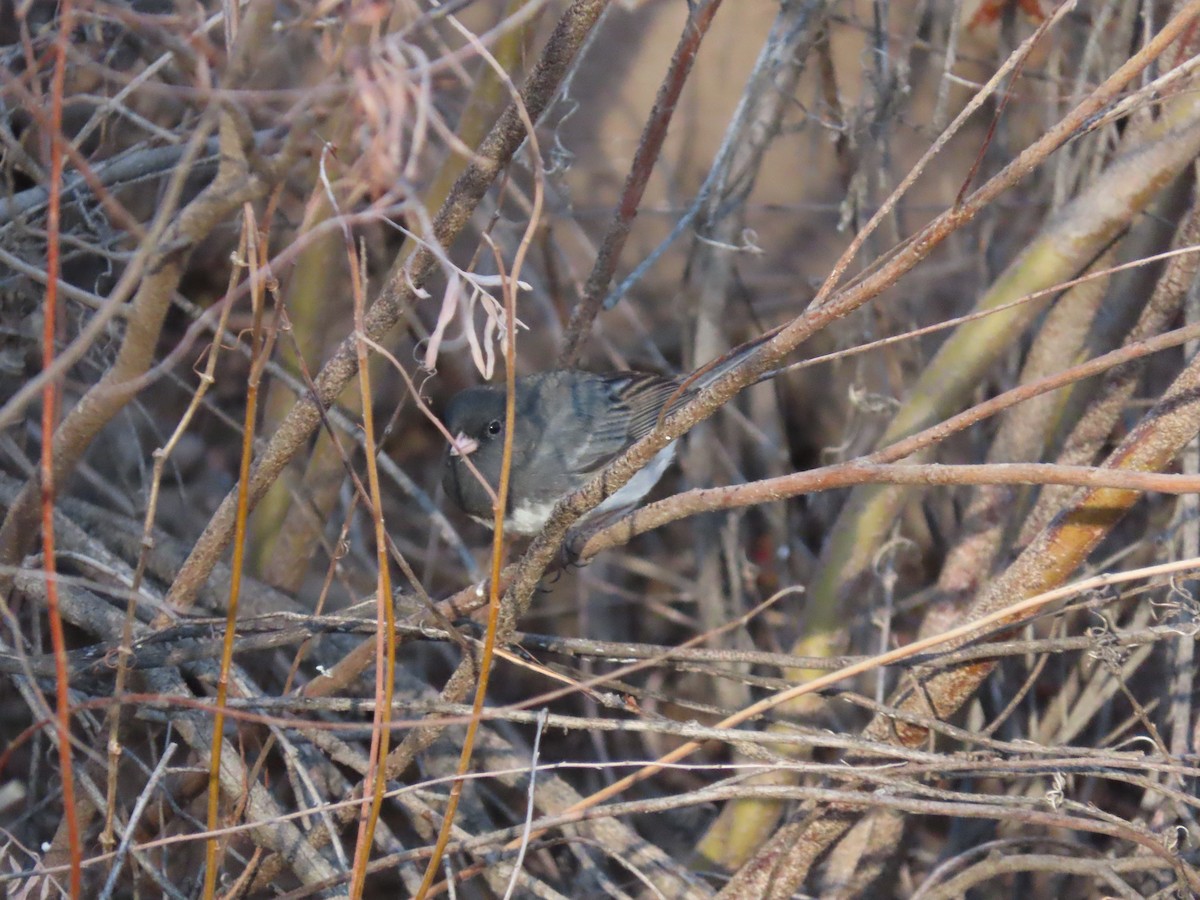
[50,402]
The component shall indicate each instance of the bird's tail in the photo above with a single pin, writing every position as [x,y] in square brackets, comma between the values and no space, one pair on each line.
[710,373]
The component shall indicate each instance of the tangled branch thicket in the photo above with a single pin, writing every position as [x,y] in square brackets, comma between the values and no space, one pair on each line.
[915,617]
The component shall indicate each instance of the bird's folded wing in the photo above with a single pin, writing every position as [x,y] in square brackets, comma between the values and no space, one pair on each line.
[637,402]
[624,408]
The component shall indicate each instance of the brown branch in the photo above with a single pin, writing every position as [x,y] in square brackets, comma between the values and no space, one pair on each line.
[844,475]
[655,515]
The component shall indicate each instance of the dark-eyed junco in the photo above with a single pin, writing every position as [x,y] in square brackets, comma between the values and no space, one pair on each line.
[570,424]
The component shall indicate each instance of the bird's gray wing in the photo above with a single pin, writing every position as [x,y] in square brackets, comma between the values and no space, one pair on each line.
[596,417]
[648,399]
[634,402]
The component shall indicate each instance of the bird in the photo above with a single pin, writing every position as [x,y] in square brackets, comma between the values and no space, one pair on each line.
[570,424]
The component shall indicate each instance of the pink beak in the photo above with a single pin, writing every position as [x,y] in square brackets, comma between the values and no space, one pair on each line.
[463,445]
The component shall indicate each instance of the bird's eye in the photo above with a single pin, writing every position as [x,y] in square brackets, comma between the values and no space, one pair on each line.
[494,426]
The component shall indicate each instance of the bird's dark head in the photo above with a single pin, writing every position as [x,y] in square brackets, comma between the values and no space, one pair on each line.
[475,420]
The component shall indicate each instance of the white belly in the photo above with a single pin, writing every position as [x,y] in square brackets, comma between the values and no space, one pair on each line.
[640,484]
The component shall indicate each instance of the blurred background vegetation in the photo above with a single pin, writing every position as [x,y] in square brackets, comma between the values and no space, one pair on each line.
[236,176]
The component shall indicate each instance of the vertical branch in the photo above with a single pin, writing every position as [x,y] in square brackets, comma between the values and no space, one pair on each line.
[509,285]
[261,348]
[50,401]
[1188,513]
[385,630]
[161,455]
